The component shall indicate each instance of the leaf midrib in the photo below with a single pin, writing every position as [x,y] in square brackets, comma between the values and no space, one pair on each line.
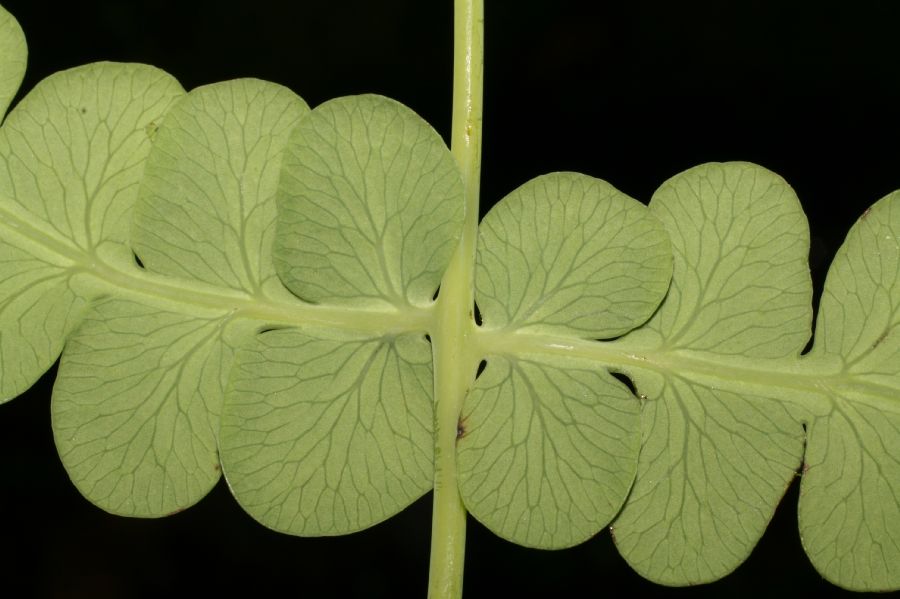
[208,298]
[793,379]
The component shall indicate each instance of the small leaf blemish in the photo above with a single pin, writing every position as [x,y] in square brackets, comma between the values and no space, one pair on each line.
[151,129]
[461,428]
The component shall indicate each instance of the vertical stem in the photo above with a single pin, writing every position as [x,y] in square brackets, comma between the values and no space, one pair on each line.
[454,359]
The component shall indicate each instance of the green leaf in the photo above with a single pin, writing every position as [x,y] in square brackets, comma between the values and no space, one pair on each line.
[149,347]
[850,496]
[135,408]
[141,383]
[713,465]
[728,402]
[551,443]
[569,254]
[13,54]
[327,434]
[722,434]
[741,280]
[370,206]
[71,156]
[207,209]
[329,430]
[549,449]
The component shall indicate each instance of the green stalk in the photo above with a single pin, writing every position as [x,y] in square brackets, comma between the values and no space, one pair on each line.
[454,359]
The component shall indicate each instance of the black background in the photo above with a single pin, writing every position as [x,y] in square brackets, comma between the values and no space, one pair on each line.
[631,92]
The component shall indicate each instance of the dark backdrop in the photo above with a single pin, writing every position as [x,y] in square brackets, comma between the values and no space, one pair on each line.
[631,92]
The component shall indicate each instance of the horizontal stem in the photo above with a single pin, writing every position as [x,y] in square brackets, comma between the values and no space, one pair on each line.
[811,381]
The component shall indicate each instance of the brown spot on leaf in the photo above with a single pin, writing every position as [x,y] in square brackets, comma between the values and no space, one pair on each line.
[461,429]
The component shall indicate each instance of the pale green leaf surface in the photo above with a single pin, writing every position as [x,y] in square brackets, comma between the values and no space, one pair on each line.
[859,316]
[713,465]
[850,495]
[549,449]
[206,208]
[370,206]
[720,447]
[13,55]
[205,213]
[569,254]
[136,403]
[325,433]
[551,443]
[71,156]
[741,284]
[849,510]
[74,150]
[39,305]
[336,434]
